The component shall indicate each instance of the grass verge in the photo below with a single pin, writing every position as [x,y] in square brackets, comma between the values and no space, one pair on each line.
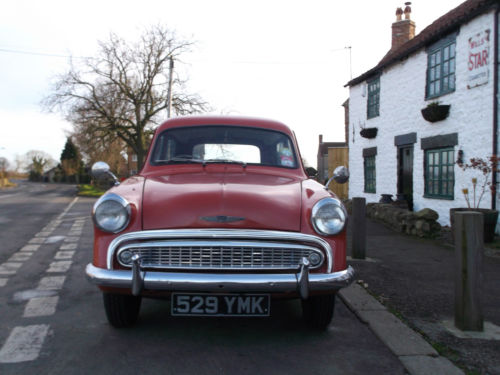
[87,190]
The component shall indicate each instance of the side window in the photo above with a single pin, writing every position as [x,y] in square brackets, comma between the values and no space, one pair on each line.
[373,102]
[441,69]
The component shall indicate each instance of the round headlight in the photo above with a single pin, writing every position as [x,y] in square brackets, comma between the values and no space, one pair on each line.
[111,213]
[328,217]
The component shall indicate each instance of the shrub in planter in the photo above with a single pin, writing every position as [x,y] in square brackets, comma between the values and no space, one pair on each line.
[369,132]
[490,217]
[435,112]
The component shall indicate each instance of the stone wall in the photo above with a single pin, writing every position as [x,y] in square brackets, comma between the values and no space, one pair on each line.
[423,223]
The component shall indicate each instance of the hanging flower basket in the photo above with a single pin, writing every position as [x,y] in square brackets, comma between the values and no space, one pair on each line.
[369,132]
[436,112]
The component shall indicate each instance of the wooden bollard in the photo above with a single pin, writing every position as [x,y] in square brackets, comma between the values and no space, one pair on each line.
[358,231]
[469,247]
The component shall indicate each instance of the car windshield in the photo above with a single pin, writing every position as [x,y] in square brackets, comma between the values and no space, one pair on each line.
[224,144]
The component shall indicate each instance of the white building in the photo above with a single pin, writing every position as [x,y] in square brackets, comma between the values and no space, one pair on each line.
[453,61]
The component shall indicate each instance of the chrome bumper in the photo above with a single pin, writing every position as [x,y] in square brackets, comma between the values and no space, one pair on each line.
[302,282]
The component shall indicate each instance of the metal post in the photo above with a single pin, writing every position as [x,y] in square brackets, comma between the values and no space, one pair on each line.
[358,232]
[469,247]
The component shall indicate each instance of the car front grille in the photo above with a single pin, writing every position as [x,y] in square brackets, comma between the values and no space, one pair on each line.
[219,255]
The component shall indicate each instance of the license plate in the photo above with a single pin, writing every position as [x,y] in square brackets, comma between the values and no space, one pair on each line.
[221,304]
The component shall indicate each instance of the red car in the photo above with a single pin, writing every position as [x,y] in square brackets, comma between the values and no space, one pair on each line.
[222,218]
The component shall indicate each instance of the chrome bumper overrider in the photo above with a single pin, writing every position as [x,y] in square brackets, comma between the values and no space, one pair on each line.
[301,282]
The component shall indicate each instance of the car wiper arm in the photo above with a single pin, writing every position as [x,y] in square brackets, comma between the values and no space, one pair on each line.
[177,159]
[224,161]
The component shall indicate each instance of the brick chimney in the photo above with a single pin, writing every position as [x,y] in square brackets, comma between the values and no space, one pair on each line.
[402,30]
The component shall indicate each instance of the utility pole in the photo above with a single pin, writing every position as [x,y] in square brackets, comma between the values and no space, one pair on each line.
[169,92]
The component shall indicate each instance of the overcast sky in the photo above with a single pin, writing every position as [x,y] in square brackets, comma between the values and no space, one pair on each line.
[284,60]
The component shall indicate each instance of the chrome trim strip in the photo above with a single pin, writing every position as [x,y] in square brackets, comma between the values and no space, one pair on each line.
[205,243]
[222,283]
[214,234]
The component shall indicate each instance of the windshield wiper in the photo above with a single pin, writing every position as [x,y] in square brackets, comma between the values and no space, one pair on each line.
[224,161]
[180,159]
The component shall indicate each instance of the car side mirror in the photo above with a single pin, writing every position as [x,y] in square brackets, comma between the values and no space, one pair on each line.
[340,175]
[101,169]
[311,172]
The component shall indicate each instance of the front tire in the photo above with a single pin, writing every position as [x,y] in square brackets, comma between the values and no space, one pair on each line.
[121,310]
[318,310]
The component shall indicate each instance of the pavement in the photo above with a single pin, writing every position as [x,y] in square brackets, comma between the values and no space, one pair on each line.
[405,294]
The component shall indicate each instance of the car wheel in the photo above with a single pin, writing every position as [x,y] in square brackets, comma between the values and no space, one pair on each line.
[318,310]
[122,310]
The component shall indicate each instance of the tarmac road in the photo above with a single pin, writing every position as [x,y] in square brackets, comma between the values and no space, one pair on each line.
[52,320]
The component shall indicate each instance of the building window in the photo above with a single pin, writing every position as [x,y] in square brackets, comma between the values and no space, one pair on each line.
[439,173]
[370,180]
[441,69]
[134,158]
[373,98]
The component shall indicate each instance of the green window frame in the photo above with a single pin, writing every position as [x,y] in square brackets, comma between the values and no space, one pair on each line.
[373,102]
[440,173]
[370,174]
[441,69]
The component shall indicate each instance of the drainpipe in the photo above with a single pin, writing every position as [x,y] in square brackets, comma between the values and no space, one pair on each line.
[495,107]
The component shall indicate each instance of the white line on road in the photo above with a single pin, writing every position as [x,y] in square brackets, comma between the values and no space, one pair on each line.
[41,306]
[43,233]
[59,266]
[24,344]
[67,208]
[37,240]
[30,248]
[3,282]
[71,239]
[20,256]
[68,246]
[51,283]
[64,254]
[9,268]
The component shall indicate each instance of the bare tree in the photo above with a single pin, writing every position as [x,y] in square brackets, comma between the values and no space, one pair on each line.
[37,163]
[122,92]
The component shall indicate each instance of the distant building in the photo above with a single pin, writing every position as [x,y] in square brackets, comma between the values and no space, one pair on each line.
[393,149]
[330,156]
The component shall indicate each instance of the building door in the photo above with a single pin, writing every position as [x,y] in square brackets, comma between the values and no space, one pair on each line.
[405,174]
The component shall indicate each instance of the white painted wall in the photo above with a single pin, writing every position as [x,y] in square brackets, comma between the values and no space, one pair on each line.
[402,96]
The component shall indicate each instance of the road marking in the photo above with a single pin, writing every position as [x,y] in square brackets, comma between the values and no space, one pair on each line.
[68,246]
[59,266]
[3,282]
[67,208]
[75,233]
[43,233]
[30,248]
[37,240]
[9,268]
[20,256]
[24,344]
[64,254]
[51,283]
[54,239]
[40,306]
[71,239]
[26,295]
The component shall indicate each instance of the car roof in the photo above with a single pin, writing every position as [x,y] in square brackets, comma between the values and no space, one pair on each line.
[224,121]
